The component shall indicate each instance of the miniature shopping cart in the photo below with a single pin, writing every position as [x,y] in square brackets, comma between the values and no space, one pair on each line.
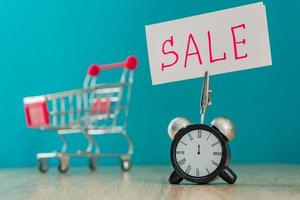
[94,110]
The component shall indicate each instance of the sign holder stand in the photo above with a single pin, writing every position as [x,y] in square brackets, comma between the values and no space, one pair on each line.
[206,99]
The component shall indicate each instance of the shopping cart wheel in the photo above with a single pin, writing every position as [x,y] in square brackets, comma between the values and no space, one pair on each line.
[63,166]
[62,169]
[125,163]
[43,165]
[93,163]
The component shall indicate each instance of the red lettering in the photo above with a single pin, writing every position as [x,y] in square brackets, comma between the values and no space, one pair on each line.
[187,53]
[235,43]
[163,65]
[210,51]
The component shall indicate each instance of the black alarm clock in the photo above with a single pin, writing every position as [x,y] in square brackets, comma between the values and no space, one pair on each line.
[199,152]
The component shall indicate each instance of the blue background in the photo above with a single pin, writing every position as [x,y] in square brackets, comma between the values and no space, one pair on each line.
[46,46]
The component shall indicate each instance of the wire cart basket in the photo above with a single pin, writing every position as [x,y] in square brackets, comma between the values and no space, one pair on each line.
[96,109]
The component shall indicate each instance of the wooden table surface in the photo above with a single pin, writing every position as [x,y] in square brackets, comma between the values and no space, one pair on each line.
[148,182]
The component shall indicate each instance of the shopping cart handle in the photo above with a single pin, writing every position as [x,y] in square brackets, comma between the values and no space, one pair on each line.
[130,63]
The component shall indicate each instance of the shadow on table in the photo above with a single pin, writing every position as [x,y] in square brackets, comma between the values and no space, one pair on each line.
[214,191]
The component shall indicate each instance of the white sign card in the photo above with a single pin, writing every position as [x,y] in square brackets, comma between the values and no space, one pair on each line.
[218,42]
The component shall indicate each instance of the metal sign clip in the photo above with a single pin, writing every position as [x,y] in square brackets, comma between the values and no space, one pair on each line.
[206,99]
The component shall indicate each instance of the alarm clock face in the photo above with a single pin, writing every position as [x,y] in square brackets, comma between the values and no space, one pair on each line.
[197,153]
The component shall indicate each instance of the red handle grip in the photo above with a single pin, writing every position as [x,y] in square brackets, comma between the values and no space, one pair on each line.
[130,63]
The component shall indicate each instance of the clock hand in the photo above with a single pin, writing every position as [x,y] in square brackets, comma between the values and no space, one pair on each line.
[198,149]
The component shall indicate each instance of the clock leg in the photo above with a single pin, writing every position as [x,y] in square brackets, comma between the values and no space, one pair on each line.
[175,178]
[228,175]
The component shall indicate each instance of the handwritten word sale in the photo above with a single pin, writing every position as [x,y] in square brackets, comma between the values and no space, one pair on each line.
[193,49]
[219,42]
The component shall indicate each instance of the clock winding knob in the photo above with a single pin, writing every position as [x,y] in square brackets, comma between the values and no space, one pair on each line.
[225,126]
[176,124]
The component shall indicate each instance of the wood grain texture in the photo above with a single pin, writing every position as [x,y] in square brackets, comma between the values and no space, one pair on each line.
[148,182]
